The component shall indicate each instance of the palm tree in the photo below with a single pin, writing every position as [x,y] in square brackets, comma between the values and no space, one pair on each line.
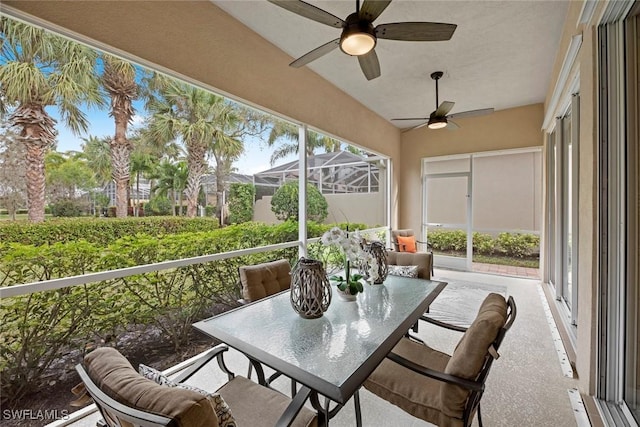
[197,117]
[171,181]
[288,132]
[119,80]
[237,122]
[39,70]
[98,156]
[142,163]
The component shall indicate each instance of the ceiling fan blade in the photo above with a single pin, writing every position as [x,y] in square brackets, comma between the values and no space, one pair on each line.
[309,11]
[452,125]
[471,113]
[371,9]
[416,31]
[444,108]
[414,118]
[315,53]
[370,64]
[415,127]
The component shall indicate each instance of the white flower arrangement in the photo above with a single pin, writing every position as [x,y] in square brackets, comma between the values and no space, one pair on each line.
[351,245]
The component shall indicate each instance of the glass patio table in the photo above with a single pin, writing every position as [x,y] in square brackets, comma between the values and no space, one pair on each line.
[334,354]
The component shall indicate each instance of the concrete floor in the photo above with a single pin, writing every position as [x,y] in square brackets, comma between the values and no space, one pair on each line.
[526,386]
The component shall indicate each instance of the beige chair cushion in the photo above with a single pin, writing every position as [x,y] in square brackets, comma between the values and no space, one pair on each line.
[421,259]
[414,393]
[261,280]
[115,376]
[470,353]
[254,405]
[394,237]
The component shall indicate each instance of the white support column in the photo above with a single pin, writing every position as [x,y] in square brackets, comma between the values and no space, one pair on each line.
[388,189]
[470,216]
[558,274]
[302,190]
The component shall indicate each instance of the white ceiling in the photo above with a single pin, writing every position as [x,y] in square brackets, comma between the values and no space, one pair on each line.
[501,55]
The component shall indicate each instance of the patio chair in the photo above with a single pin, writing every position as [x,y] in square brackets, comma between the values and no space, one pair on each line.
[438,388]
[403,255]
[263,280]
[125,398]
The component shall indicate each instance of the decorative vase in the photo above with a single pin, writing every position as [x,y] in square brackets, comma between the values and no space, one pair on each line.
[310,289]
[379,252]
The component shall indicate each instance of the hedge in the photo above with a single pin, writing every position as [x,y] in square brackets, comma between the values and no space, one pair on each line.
[516,245]
[38,329]
[101,231]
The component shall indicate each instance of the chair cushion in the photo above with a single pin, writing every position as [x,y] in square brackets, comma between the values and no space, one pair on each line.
[115,376]
[255,405]
[416,394]
[261,280]
[394,236]
[470,353]
[421,259]
[222,410]
[407,244]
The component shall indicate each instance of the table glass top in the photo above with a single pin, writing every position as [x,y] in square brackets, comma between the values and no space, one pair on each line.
[331,347]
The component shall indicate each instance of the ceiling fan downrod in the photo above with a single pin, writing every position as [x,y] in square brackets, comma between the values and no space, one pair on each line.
[436,75]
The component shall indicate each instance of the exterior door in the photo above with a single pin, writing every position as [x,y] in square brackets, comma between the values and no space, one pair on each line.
[447,206]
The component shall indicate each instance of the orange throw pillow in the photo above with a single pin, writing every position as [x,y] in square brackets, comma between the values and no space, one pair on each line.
[407,244]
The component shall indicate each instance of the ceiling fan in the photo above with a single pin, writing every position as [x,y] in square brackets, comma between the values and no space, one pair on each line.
[439,118]
[359,36]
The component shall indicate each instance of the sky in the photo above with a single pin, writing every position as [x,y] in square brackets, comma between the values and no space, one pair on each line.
[255,159]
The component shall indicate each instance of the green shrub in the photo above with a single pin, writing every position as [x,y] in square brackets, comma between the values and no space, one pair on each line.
[285,203]
[98,230]
[241,197]
[66,208]
[517,244]
[483,243]
[209,210]
[447,240]
[37,329]
[158,206]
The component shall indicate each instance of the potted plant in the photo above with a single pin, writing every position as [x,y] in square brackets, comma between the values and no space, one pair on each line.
[350,284]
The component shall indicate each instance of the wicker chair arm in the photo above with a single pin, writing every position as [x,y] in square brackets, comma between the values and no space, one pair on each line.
[440,376]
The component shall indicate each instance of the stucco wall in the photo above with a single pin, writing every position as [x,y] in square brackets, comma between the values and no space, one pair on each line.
[505,129]
[367,208]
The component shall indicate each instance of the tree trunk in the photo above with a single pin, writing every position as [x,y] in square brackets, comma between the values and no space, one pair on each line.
[120,152]
[220,181]
[38,134]
[196,166]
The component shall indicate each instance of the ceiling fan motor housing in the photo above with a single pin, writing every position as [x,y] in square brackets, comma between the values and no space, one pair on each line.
[356,26]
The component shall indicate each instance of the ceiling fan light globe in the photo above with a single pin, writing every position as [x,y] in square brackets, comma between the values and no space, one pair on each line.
[357,43]
[437,123]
